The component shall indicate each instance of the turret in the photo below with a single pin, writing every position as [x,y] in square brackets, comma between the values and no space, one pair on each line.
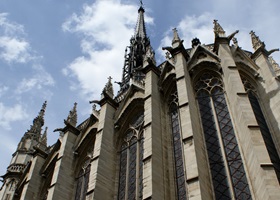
[31,138]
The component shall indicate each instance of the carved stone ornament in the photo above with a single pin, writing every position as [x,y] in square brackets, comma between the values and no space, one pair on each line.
[109,87]
[256,42]
[218,30]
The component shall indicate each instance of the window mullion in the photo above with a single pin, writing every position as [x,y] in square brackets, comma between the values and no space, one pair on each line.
[222,148]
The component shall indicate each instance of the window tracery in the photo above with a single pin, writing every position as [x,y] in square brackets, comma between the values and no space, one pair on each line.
[261,120]
[131,161]
[224,157]
[177,147]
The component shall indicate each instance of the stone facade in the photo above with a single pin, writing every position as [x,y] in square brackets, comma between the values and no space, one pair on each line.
[204,124]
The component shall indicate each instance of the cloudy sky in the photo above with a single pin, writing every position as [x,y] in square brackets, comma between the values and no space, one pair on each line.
[63,51]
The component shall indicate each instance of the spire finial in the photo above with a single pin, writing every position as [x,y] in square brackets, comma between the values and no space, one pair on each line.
[141,3]
[256,42]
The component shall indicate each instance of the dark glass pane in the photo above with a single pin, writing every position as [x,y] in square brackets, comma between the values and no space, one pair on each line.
[274,157]
[178,155]
[85,183]
[132,169]
[141,149]
[217,167]
[237,172]
[79,186]
[122,175]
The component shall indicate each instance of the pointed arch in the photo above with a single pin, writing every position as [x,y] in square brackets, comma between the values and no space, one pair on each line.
[178,155]
[225,162]
[130,183]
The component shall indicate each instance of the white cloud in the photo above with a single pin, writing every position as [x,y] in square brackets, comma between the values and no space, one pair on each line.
[13,45]
[8,27]
[40,79]
[3,89]
[105,28]
[11,114]
[14,50]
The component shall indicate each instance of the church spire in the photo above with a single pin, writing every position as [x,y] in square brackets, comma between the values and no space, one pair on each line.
[135,53]
[140,30]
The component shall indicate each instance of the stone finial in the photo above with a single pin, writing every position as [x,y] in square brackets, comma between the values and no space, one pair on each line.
[176,39]
[108,89]
[218,30]
[256,42]
[195,42]
[72,117]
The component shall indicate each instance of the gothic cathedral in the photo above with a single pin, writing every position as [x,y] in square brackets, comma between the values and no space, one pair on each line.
[204,124]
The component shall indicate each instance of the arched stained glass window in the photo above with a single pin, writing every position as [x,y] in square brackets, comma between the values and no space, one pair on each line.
[226,166]
[266,134]
[82,181]
[177,147]
[131,162]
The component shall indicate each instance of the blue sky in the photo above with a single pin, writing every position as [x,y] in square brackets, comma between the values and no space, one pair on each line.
[63,51]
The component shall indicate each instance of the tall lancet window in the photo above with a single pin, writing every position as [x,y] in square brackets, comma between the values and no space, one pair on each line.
[131,161]
[177,147]
[226,166]
[82,181]
[266,134]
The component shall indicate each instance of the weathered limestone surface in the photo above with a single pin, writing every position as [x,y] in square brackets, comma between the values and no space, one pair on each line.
[263,180]
[34,179]
[102,172]
[153,179]
[62,185]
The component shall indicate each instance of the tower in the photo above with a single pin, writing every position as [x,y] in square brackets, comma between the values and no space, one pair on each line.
[204,124]
[32,139]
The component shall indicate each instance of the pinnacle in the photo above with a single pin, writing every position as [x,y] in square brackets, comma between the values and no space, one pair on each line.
[218,29]
[72,117]
[256,42]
